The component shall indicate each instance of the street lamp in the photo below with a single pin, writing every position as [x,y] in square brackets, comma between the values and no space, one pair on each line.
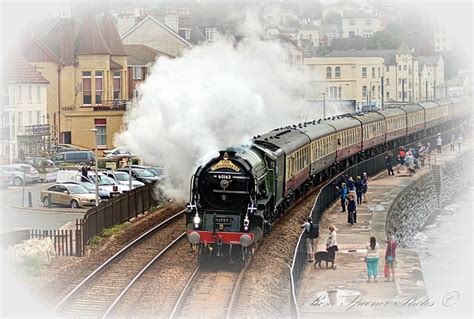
[94,130]
[324,104]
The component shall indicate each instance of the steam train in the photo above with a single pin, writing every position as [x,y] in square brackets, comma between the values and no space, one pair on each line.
[236,197]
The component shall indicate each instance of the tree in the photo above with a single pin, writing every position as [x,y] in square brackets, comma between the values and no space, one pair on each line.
[384,40]
[333,19]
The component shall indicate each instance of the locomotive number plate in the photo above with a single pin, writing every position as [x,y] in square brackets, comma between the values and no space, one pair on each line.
[223,220]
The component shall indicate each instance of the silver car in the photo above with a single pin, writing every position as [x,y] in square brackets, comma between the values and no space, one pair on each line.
[19,171]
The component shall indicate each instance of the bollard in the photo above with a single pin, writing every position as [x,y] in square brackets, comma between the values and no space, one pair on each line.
[30,200]
[49,200]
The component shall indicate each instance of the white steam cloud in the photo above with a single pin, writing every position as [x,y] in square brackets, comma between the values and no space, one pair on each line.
[214,96]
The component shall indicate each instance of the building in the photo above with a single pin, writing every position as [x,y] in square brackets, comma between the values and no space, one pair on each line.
[442,40]
[311,34]
[431,75]
[461,85]
[361,71]
[86,65]
[140,60]
[156,35]
[343,8]
[345,78]
[23,103]
[360,25]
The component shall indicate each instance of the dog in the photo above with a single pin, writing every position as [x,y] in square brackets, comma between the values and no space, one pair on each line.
[322,256]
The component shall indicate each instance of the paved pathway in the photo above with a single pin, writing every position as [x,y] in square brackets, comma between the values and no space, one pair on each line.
[344,292]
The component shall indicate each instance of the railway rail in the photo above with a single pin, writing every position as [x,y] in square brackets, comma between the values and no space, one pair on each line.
[102,290]
[214,290]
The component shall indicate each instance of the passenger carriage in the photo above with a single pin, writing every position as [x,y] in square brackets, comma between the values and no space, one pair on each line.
[373,132]
[446,110]
[395,125]
[348,139]
[415,115]
[433,116]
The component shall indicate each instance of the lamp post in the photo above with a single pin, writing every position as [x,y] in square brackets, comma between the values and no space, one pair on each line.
[94,130]
[324,104]
[130,172]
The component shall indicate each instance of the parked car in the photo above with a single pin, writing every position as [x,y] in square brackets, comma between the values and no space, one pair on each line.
[75,157]
[5,178]
[71,195]
[141,175]
[64,176]
[116,152]
[108,183]
[19,171]
[123,178]
[157,171]
[103,194]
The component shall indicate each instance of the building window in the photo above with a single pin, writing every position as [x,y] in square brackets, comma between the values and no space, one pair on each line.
[364,72]
[328,72]
[399,68]
[20,94]
[340,92]
[364,91]
[101,126]
[387,68]
[13,126]
[30,93]
[98,86]
[388,95]
[6,96]
[211,34]
[38,91]
[117,85]
[399,94]
[352,22]
[30,117]
[368,22]
[86,88]
[137,73]
[338,72]
[373,72]
[405,67]
[38,117]
[185,33]
[388,81]
[135,94]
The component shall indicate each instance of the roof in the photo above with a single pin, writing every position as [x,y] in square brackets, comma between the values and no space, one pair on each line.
[142,55]
[114,65]
[18,70]
[387,55]
[430,60]
[111,35]
[90,39]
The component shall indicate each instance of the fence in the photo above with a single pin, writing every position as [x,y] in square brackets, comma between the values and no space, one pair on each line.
[115,211]
[327,195]
[63,240]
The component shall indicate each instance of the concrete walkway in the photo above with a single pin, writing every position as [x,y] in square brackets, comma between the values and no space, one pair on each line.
[344,292]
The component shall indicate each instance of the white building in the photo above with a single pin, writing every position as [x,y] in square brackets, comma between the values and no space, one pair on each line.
[23,103]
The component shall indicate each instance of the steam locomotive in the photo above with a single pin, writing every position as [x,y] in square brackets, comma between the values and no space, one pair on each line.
[236,197]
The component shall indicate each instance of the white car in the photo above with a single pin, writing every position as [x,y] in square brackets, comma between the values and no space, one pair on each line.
[123,178]
[116,152]
[108,184]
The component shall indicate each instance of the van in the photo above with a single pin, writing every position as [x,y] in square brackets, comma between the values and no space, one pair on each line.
[74,157]
[69,176]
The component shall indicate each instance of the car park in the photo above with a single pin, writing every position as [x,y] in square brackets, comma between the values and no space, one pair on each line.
[122,178]
[74,157]
[71,195]
[18,172]
[141,175]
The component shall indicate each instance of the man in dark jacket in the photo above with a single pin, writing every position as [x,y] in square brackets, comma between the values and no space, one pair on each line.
[388,162]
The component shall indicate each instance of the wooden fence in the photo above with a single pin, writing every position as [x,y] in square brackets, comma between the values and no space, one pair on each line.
[63,240]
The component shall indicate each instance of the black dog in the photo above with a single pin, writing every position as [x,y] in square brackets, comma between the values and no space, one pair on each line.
[322,256]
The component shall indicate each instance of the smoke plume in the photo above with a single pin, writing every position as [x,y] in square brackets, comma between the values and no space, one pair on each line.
[214,96]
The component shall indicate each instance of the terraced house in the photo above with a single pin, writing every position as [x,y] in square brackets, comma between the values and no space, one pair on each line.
[86,65]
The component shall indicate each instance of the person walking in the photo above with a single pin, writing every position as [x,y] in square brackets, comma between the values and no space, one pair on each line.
[402,153]
[344,193]
[331,245]
[459,141]
[372,259]
[410,163]
[359,190]
[351,210]
[451,143]
[311,231]
[365,186]
[388,163]
[439,143]
[390,258]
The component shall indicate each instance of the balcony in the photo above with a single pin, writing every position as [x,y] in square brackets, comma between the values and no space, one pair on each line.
[111,105]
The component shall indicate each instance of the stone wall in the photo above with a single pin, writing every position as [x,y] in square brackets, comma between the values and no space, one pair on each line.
[413,206]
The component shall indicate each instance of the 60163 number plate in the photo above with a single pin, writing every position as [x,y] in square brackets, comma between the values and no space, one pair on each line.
[223,220]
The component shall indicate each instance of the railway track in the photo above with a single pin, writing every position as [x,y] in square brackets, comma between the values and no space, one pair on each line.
[98,294]
[212,292]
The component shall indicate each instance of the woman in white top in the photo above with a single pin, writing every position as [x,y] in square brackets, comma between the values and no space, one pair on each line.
[331,245]
[372,259]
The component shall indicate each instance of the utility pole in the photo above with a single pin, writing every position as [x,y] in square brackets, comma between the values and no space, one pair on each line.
[324,105]
[94,130]
[381,92]
[426,90]
[434,90]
